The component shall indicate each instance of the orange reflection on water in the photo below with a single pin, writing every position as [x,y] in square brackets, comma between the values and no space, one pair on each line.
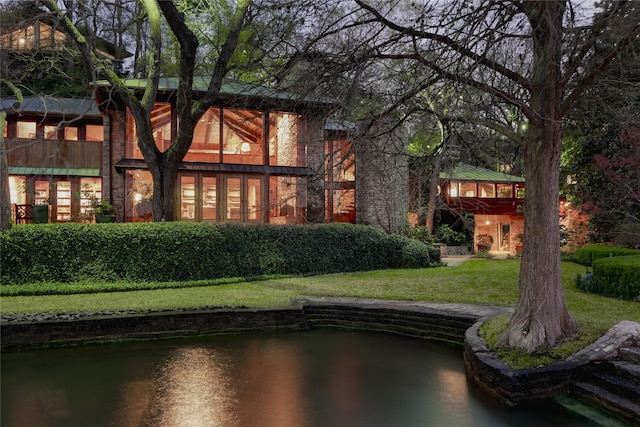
[193,388]
[453,392]
[271,386]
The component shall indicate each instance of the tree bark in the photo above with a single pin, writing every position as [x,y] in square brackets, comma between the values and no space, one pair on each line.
[541,317]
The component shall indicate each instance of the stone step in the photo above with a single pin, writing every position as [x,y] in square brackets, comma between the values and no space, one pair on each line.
[630,354]
[627,372]
[593,414]
[624,409]
[621,386]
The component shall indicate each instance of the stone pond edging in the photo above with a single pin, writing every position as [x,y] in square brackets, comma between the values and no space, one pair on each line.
[453,323]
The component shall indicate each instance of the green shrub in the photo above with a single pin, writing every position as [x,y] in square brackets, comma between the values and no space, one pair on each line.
[178,251]
[450,237]
[588,254]
[615,277]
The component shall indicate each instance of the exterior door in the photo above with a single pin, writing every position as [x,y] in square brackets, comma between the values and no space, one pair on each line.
[221,198]
[198,197]
[242,198]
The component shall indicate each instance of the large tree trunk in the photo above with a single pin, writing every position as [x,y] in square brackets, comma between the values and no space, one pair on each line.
[541,317]
[5,200]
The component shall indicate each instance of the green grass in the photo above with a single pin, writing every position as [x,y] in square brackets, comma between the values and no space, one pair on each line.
[476,281]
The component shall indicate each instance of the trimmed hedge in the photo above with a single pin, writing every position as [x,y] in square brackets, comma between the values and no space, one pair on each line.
[178,251]
[588,254]
[615,277]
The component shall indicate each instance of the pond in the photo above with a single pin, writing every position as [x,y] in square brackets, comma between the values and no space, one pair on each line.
[317,378]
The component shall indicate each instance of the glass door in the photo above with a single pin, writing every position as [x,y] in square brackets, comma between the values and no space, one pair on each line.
[188,198]
[198,197]
[63,201]
[243,198]
[209,198]
[234,199]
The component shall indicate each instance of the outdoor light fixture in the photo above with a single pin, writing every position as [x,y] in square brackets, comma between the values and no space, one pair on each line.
[245,147]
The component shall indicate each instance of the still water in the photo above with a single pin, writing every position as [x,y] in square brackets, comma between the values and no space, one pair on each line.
[319,378]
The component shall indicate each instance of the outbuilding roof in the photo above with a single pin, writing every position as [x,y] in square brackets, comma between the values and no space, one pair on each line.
[465,172]
[50,105]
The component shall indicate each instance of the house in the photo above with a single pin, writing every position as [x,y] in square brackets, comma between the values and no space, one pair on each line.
[258,156]
[496,201]
[54,153]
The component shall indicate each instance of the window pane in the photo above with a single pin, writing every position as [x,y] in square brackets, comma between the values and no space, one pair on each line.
[17,188]
[505,190]
[253,198]
[283,199]
[486,190]
[453,189]
[51,132]
[342,161]
[206,138]
[71,133]
[90,190]
[188,197]
[468,189]
[209,198]
[233,199]
[283,139]
[27,130]
[138,204]
[242,137]
[63,200]
[95,133]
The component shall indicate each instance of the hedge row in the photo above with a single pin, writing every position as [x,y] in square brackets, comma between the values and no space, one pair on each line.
[180,251]
[615,277]
[588,254]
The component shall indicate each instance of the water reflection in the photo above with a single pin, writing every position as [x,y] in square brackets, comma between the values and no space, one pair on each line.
[192,388]
[287,380]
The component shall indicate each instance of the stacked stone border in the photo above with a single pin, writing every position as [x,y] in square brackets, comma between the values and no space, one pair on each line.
[457,324]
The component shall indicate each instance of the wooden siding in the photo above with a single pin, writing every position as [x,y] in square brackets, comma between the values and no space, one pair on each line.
[49,153]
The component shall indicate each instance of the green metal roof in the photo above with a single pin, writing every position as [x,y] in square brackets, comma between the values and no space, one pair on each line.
[229,88]
[53,106]
[17,170]
[464,172]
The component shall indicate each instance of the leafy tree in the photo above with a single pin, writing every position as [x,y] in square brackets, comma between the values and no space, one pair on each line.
[539,58]
[164,165]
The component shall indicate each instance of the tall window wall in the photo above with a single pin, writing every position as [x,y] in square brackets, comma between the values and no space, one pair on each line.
[230,137]
[340,194]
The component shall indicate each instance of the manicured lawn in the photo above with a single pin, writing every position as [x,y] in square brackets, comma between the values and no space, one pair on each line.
[477,281]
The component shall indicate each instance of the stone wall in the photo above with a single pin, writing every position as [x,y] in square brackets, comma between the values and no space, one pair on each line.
[382,178]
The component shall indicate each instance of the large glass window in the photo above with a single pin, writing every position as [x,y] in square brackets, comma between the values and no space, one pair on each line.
[284,198]
[242,137]
[341,160]
[283,139]
[206,138]
[90,191]
[138,203]
[161,125]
